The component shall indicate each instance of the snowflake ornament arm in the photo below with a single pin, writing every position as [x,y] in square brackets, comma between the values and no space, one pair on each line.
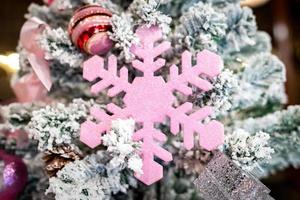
[208,64]
[149,100]
[147,51]
[148,134]
[94,68]
[91,132]
[210,135]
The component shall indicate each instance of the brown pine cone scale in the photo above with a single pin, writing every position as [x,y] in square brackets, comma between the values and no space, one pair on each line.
[58,157]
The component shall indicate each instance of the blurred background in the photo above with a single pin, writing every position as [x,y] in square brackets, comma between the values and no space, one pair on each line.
[280,18]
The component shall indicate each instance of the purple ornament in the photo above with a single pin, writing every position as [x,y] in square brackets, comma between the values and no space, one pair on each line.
[14,176]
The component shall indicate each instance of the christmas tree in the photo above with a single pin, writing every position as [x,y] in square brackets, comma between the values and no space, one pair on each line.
[188,64]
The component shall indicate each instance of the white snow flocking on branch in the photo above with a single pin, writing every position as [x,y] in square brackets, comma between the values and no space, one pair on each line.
[54,125]
[248,149]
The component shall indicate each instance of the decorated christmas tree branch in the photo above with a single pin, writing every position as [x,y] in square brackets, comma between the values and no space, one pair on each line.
[261,85]
[105,173]
[55,128]
[283,128]
[148,93]
[58,124]
[16,116]
[248,150]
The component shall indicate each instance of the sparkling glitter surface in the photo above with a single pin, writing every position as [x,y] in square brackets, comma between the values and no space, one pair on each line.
[14,176]
[223,180]
[9,174]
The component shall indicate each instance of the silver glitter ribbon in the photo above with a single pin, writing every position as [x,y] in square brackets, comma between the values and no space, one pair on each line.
[224,180]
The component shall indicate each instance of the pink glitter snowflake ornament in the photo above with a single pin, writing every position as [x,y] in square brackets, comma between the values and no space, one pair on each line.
[149,100]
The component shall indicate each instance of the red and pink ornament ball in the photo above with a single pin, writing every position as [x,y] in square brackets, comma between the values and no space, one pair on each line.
[48,2]
[89,29]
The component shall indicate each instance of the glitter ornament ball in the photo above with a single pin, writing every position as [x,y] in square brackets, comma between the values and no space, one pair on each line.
[13,177]
[89,29]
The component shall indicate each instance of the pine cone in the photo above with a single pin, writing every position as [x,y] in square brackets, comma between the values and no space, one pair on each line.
[58,157]
[193,161]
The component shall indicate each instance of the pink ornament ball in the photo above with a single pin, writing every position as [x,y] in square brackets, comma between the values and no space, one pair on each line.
[89,29]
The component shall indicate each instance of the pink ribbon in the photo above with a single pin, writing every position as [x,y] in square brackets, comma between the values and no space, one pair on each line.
[29,89]
[36,55]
